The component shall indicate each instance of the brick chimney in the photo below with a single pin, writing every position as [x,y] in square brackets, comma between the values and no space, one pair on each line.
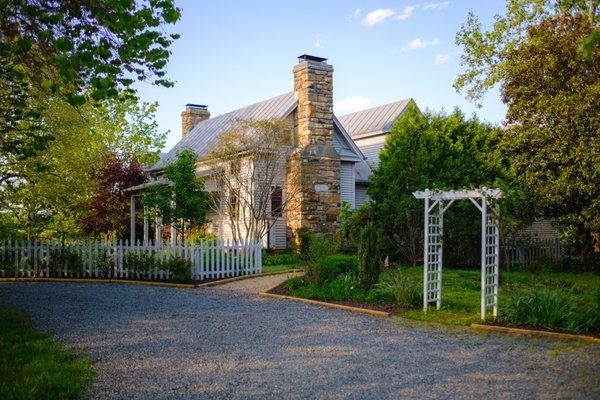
[315,166]
[193,114]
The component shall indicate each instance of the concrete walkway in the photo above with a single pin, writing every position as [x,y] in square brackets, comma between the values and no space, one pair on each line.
[258,284]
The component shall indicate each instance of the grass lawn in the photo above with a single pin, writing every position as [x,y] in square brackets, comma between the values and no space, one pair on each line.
[34,366]
[461,290]
[557,301]
[279,268]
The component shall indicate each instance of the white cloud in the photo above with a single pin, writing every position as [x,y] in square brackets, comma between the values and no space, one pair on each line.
[317,44]
[406,13]
[442,59]
[377,16]
[355,14]
[419,43]
[351,104]
[436,6]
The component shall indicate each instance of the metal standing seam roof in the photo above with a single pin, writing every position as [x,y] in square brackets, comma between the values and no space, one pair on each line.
[373,120]
[201,137]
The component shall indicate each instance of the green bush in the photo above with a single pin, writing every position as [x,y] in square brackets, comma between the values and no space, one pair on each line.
[338,264]
[303,244]
[281,259]
[369,256]
[140,265]
[64,259]
[201,237]
[552,310]
[180,269]
[342,288]
[352,222]
[398,288]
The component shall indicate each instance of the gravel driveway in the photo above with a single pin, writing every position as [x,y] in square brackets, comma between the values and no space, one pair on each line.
[155,342]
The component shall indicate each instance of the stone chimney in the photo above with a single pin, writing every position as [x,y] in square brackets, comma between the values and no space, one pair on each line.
[193,114]
[315,166]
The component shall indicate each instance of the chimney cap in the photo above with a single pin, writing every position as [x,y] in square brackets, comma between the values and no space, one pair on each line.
[196,106]
[308,57]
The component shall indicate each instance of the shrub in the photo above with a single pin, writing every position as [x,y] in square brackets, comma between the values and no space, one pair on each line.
[303,243]
[280,259]
[369,256]
[552,310]
[352,222]
[401,289]
[140,265]
[338,264]
[64,259]
[200,237]
[180,269]
[344,287]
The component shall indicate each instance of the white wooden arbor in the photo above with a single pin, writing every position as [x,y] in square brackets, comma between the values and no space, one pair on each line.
[436,203]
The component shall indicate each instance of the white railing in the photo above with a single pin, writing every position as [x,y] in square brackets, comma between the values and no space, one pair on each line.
[208,260]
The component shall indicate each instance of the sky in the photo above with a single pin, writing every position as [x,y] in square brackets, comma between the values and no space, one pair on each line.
[236,53]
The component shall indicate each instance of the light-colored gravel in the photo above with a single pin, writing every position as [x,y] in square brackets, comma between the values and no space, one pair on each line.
[255,285]
[167,343]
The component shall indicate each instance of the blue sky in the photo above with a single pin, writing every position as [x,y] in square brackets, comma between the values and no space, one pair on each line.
[235,53]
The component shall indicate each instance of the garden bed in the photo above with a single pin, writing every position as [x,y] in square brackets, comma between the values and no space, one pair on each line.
[388,308]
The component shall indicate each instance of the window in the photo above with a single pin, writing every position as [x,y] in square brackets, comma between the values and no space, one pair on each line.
[233,204]
[234,167]
[277,201]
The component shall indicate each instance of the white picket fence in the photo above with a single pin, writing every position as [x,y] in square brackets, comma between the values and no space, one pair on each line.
[121,260]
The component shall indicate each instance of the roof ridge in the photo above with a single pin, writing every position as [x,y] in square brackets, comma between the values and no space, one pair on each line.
[373,108]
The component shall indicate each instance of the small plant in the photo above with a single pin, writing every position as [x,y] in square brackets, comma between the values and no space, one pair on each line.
[401,289]
[105,264]
[280,259]
[369,256]
[338,264]
[180,269]
[303,242]
[552,310]
[200,237]
[140,265]
[64,260]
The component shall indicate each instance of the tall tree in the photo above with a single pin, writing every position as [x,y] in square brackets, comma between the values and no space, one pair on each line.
[73,50]
[48,190]
[483,56]
[544,57]
[433,151]
[107,211]
[183,201]
[249,165]
[553,97]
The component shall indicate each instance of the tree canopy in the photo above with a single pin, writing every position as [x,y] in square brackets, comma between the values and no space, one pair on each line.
[433,151]
[182,202]
[74,51]
[553,95]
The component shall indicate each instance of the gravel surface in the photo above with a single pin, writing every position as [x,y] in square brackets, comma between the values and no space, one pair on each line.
[259,284]
[158,343]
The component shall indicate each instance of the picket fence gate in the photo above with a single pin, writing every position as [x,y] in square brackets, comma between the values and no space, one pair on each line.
[208,260]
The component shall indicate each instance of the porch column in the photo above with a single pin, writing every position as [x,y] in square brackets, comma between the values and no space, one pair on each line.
[146,226]
[157,229]
[132,220]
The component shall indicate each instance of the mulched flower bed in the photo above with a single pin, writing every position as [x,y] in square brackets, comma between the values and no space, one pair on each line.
[392,309]
[538,328]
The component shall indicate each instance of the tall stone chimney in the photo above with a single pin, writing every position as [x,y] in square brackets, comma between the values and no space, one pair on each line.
[192,114]
[315,167]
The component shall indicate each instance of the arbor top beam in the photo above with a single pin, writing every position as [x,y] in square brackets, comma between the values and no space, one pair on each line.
[458,194]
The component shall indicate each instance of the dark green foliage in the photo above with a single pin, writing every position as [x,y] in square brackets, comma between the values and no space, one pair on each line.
[339,264]
[345,287]
[551,309]
[140,265]
[304,237]
[369,256]
[400,288]
[280,259]
[64,259]
[33,366]
[352,223]
[185,201]
[435,151]
[180,269]
[63,49]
